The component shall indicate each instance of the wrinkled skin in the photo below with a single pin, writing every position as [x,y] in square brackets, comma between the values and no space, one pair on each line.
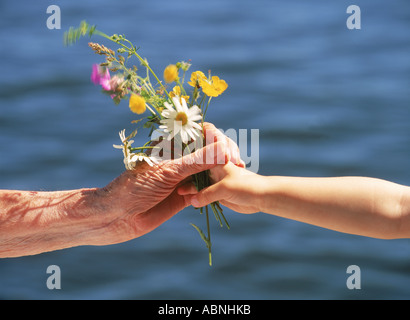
[144,198]
[135,203]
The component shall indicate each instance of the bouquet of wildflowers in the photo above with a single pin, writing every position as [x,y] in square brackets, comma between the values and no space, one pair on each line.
[175,114]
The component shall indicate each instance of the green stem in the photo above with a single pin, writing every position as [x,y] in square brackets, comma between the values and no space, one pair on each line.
[209,236]
[133,51]
[207,107]
[216,214]
[193,96]
[178,82]
[142,148]
[218,207]
[200,105]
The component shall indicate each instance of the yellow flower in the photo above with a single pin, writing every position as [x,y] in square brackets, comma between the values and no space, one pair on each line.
[176,92]
[196,77]
[137,104]
[171,73]
[214,87]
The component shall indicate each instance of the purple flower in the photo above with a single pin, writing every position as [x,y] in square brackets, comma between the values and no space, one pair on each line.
[101,76]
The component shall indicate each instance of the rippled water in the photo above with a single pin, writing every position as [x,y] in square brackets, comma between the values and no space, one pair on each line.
[327,100]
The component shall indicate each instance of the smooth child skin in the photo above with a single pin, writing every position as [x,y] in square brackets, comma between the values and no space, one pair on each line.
[357,205]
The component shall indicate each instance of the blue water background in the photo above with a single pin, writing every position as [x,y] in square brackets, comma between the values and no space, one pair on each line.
[328,101]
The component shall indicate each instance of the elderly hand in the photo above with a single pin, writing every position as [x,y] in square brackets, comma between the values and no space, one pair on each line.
[145,197]
[142,199]
[132,205]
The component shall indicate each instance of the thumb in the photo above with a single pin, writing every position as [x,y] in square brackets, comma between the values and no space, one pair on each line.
[208,195]
[203,159]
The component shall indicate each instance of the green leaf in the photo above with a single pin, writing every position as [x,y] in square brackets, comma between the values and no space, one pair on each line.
[73,34]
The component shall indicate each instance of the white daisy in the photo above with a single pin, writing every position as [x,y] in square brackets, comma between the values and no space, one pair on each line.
[181,120]
[142,157]
[125,144]
[130,159]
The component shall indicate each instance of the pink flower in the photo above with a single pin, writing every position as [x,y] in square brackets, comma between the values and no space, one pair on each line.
[115,82]
[101,76]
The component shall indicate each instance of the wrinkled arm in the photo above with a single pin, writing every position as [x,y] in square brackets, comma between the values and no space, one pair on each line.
[35,222]
[130,206]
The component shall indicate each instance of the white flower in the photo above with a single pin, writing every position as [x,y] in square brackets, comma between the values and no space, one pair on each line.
[131,159]
[181,120]
[125,144]
[142,157]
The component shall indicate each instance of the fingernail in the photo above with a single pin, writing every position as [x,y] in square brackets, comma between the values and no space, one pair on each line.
[195,202]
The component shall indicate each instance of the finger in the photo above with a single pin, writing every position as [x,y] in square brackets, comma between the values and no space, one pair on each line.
[203,159]
[212,134]
[160,213]
[241,164]
[208,195]
[235,155]
[186,189]
[209,127]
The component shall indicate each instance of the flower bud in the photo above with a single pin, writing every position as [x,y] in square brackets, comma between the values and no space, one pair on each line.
[171,73]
